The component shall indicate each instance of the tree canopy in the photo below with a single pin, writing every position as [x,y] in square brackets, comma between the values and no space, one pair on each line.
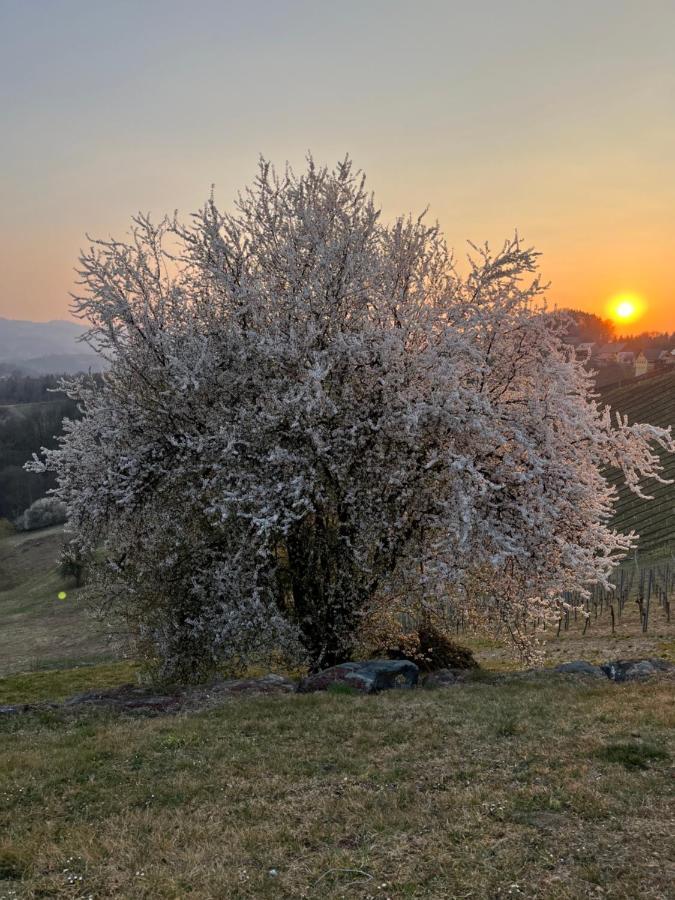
[308,410]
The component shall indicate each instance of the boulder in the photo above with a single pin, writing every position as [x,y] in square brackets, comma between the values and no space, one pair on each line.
[636,669]
[580,667]
[367,677]
[266,684]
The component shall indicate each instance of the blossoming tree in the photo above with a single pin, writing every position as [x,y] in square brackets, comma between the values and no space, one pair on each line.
[307,409]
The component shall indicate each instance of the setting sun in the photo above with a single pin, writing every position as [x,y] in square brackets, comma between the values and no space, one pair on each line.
[625,308]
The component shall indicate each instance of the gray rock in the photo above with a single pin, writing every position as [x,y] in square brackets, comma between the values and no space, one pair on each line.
[580,667]
[367,677]
[266,684]
[636,669]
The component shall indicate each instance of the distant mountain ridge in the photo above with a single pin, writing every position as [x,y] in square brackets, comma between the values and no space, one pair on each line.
[45,347]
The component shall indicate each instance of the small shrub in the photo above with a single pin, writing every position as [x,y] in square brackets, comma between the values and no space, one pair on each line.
[6,528]
[428,645]
[632,756]
[42,513]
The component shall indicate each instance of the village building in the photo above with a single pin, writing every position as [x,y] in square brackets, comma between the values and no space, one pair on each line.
[626,357]
[646,361]
[608,353]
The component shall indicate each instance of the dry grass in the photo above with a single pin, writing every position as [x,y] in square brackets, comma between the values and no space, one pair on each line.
[537,788]
[482,791]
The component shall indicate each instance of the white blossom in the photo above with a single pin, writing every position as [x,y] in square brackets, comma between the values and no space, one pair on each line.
[307,408]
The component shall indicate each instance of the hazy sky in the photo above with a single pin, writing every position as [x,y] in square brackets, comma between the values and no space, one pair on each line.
[556,118]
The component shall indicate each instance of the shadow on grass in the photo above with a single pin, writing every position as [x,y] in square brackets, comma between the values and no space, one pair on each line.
[632,756]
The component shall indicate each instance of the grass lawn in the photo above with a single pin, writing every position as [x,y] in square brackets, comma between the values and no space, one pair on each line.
[37,629]
[59,684]
[541,788]
[545,788]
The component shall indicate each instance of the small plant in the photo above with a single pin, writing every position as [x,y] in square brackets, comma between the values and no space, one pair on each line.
[45,512]
[632,756]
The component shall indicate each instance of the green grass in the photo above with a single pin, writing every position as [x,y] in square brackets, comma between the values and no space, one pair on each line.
[59,684]
[342,689]
[479,791]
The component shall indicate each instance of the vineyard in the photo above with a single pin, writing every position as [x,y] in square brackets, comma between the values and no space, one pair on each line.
[648,400]
[634,616]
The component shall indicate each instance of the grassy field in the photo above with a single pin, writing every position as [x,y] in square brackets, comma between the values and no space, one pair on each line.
[37,630]
[535,788]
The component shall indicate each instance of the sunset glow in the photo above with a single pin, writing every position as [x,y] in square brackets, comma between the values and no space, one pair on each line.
[625,308]
[132,127]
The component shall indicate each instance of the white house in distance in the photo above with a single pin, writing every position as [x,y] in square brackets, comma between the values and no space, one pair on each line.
[646,361]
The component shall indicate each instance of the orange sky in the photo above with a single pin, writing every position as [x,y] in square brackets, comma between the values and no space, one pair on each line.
[555,119]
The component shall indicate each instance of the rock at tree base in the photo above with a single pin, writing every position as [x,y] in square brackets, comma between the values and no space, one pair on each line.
[580,667]
[636,669]
[366,677]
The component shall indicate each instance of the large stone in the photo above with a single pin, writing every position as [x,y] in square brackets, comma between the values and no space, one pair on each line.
[636,669]
[266,684]
[366,677]
[580,667]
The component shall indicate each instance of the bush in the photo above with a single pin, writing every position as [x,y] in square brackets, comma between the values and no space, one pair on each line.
[438,651]
[431,649]
[426,642]
[6,528]
[44,512]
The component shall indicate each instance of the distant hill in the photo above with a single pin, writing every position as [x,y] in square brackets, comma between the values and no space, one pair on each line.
[42,348]
[650,399]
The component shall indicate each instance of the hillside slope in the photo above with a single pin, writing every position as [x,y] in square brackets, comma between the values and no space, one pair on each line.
[38,628]
[647,400]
